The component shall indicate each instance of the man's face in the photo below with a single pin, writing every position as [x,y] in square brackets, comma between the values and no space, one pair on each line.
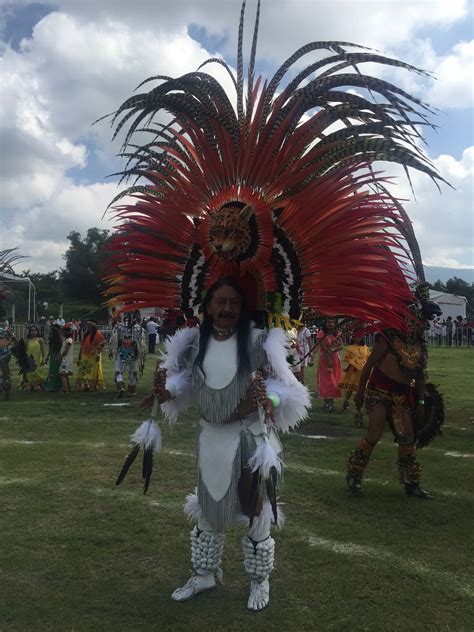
[224,307]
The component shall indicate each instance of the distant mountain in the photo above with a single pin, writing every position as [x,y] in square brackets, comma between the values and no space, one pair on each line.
[434,273]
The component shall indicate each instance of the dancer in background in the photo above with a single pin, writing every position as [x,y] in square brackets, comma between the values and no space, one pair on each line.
[53,381]
[329,364]
[394,375]
[90,376]
[65,357]
[356,355]
[7,343]
[128,348]
[33,351]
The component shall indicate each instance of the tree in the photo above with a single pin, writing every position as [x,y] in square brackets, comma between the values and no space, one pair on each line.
[82,277]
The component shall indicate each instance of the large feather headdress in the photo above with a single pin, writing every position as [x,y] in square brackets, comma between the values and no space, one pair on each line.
[279,191]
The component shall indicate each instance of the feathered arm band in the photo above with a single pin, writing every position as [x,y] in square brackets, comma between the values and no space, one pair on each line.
[294,397]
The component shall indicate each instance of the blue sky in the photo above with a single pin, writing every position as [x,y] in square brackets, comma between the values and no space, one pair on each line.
[64,64]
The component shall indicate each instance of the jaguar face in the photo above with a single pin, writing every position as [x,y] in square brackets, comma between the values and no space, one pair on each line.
[229,233]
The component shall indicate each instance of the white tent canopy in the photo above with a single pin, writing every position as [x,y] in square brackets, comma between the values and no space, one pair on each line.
[451,304]
[7,278]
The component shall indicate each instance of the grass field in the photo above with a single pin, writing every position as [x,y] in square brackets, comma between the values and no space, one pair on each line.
[77,553]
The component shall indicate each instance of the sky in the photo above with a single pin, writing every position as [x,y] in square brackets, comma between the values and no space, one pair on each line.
[66,63]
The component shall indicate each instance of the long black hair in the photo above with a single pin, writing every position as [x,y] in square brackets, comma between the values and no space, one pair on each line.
[93,327]
[55,341]
[243,326]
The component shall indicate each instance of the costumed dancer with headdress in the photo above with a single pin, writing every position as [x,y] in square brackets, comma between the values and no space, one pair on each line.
[355,355]
[393,385]
[329,364]
[127,347]
[90,376]
[281,194]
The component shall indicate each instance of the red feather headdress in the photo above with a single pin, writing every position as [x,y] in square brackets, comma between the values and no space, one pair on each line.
[280,192]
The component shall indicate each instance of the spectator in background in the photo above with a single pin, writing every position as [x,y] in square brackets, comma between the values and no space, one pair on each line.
[42,326]
[75,330]
[438,331]
[60,321]
[65,357]
[303,341]
[468,326]
[449,331]
[459,325]
[152,330]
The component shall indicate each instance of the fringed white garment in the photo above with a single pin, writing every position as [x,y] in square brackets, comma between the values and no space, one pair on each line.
[224,448]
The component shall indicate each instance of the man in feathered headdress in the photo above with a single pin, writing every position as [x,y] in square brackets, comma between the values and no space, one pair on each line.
[279,193]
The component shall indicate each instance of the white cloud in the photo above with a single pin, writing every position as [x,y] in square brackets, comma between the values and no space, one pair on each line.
[40,231]
[85,58]
[454,87]
[443,222]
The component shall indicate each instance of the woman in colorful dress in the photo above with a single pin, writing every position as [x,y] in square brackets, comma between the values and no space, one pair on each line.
[53,382]
[356,356]
[33,376]
[90,376]
[329,364]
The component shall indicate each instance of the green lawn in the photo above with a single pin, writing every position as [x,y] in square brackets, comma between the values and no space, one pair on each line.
[77,553]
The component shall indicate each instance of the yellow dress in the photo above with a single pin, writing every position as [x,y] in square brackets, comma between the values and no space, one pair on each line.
[36,373]
[90,374]
[356,356]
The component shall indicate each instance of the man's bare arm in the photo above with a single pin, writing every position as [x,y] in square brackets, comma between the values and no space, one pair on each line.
[378,351]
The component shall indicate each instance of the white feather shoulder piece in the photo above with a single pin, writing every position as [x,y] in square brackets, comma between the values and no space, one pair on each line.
[276,348]
[295,399]
[177,347]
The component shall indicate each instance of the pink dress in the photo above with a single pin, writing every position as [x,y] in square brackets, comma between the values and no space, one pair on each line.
[327,380]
